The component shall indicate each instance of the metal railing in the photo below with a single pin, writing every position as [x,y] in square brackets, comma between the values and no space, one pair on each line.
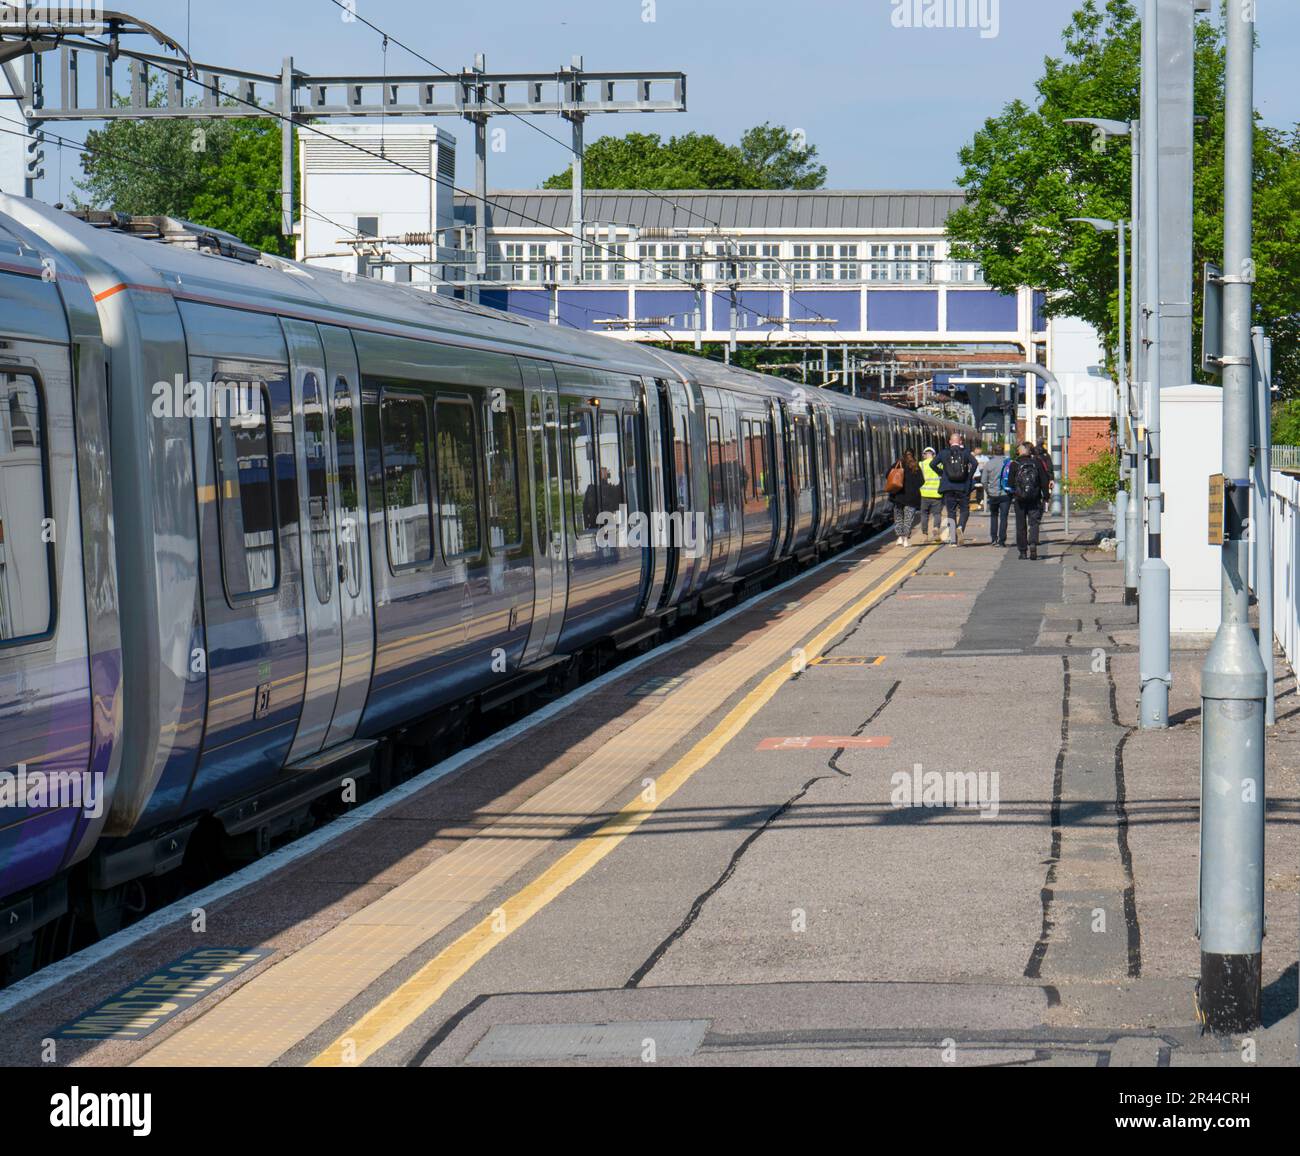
[1286,457]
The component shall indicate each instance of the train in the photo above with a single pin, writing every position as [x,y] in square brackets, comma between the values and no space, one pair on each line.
[269,530]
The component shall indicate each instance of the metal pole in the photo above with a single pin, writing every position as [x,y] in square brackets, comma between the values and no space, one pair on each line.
[1261,516]
[1153,577]
[1233,680]
[1133,536]
[287,131]
[1121,495]
[480,197]
[576,118]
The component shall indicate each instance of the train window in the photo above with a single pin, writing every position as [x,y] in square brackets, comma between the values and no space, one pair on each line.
[503,480]
[404,433]
[349,499]
[245,491]
[803,454]
[611,468]
[318,498]
[631,461]
[760,474]
[715,462]
[26,546]
[682,454]
[457,477]
[586,489]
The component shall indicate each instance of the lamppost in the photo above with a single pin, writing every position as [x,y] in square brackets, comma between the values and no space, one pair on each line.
[1135,465]
[1104,226]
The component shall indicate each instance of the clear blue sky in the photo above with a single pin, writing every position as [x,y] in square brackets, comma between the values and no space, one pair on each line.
[886,107]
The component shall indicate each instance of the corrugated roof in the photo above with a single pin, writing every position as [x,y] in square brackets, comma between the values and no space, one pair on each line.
[830,209]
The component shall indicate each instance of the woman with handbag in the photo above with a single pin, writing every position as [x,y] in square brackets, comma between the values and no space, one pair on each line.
[903,484]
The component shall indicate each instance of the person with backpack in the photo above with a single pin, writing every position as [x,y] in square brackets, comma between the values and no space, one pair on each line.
[907,499]
[997,493]
[957,468]
[931,499]
[1030,483]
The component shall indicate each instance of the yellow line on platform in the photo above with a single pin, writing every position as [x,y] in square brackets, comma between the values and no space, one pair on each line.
[399,1010]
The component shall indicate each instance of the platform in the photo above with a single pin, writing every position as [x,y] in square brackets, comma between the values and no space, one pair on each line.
[894,812]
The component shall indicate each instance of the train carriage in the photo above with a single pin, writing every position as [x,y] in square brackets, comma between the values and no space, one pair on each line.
[330,518]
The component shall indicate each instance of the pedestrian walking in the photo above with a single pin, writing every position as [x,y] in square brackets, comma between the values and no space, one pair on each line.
[907,501]
[931,499]
[996,473]
[1030,483]
[957,469]
[1045,456]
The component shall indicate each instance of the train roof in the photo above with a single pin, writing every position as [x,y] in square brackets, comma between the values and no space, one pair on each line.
[199,263]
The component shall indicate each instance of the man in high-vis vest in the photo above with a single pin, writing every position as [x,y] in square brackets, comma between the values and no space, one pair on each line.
[931,501]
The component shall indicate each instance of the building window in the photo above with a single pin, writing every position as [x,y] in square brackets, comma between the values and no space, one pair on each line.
[404,435]
[903,269]
[801,265]
[246,496]
[925,263]
[366,265]
[26,569]
[758,260]
[849,266]
[825,263]
[880,263]
[457,477]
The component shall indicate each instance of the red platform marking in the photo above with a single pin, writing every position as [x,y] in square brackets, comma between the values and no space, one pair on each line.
[948,597]
[824,743]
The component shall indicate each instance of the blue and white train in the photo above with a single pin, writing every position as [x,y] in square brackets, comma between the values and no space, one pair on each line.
[264,527]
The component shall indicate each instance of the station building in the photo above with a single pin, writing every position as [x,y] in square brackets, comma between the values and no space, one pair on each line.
[853,289]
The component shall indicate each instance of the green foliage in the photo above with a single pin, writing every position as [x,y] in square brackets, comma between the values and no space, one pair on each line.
[1286,423]
[220,173]
[1096,481]
[1026,172]
[768,157]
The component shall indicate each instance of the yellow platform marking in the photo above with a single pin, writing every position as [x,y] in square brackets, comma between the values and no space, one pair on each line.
[284,1004]
[398,1011]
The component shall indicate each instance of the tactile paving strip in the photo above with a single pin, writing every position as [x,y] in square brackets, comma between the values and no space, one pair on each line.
[287,1002]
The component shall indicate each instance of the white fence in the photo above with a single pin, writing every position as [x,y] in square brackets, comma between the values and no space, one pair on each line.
[1286,561]
[1286,457]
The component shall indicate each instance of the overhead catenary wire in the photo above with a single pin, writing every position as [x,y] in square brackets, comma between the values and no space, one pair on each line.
[657,195]
[92,150]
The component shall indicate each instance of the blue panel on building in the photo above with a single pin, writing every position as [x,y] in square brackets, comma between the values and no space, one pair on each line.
[581,308]
[903,310]
[981,311]
[535,304]
[752,306]
[1040,320]
[679,304]
[844,307]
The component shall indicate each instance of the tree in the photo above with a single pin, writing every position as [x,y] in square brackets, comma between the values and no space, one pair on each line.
[1026,172]
[221,173]
[768,157]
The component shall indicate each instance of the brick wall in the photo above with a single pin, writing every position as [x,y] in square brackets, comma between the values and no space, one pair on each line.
[1089,438]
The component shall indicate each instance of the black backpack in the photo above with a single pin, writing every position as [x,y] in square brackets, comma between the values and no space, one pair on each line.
[1028,480]
[956,466]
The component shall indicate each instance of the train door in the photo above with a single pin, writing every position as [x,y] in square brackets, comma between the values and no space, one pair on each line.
[719,505]
[317,502]
[819,475]
[643,463]
[550,551]
[734,479]
[341,401]
[686,475]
